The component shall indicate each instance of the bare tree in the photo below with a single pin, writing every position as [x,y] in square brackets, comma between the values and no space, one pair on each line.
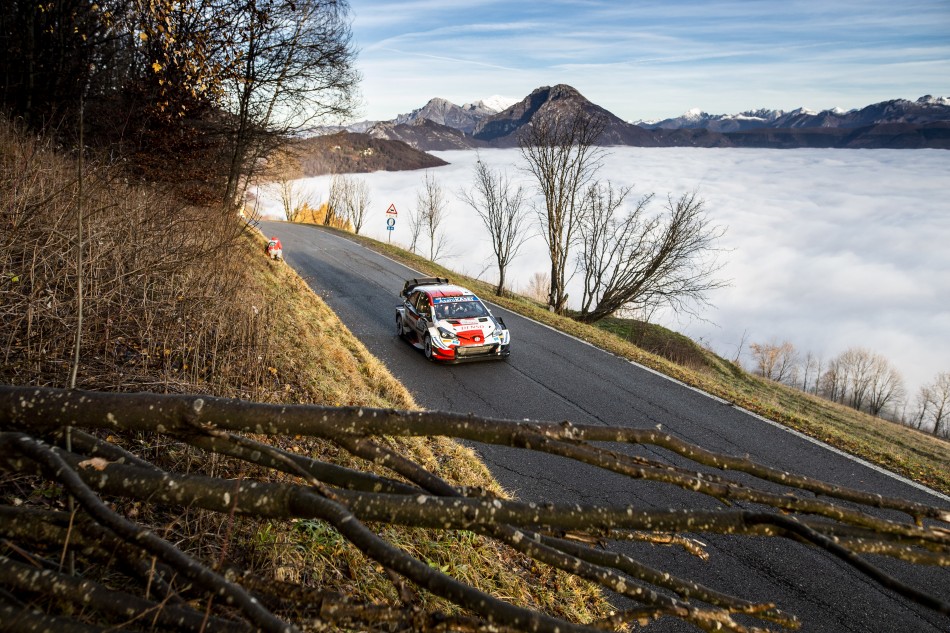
[832,381]
[287,65]
[281,176]
[933,406]
[561,153]
[299,199]
[414,220]
[643,263]
[499,205]
[157,575]
[811,367]
[857,363]
[739,346]
[430,210]
[539,286]
[885,389]
[348,201]
[605,240]
[819,363]
[293,197]
[775,361]
[338,199]
[920,411]
[358,204]
[863,380]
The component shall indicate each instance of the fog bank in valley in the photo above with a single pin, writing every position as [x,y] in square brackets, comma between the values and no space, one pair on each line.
[828,249]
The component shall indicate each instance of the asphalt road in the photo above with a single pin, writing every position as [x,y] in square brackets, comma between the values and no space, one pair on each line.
[553,377]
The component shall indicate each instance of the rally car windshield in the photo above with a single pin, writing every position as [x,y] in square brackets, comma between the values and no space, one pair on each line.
[460,310]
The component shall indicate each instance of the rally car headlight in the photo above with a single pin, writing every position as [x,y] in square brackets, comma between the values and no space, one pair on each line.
[446,335]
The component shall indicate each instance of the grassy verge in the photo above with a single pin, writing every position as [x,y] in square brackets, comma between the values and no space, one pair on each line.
[908,452]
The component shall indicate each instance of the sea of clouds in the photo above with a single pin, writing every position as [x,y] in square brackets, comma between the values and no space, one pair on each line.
[827,249]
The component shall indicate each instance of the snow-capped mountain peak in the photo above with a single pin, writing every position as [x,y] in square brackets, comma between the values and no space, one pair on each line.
[803,110]
[925,110]
[497,103]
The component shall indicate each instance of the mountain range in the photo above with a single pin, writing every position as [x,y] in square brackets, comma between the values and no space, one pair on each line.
[897,124]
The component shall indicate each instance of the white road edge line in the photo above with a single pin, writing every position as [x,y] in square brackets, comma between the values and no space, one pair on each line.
[816,442]
[753,414]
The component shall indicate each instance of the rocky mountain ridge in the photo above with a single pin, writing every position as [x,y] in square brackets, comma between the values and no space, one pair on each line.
[503,129]
[897,124]
[463,118]
[923,111]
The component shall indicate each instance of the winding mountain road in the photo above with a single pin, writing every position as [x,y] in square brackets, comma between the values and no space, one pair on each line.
[554,377]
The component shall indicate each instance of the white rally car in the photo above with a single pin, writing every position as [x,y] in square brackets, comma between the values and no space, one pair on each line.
[449,323]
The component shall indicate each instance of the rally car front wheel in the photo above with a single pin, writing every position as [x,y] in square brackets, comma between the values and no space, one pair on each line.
[427,346]
[399,331]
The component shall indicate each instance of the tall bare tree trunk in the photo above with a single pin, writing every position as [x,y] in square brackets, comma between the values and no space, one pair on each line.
[561,153]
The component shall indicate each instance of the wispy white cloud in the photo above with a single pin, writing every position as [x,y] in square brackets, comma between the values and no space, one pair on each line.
[448,36]
[444,58]
[825,53]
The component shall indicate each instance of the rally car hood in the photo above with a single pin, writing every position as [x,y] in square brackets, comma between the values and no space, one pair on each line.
[471,331]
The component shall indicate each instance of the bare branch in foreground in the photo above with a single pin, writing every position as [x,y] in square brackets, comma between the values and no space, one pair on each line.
[842,522]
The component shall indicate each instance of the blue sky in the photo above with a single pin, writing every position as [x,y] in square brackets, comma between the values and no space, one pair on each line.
[646,60]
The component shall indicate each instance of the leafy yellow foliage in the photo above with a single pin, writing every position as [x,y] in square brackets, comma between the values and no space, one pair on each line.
[308,215]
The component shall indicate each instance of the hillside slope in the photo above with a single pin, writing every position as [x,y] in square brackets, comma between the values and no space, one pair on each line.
[344,153]
[183,300]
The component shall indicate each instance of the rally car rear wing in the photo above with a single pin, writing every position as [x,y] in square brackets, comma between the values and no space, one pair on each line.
[421,281]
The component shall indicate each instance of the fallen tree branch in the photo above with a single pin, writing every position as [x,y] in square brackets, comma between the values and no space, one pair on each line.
[85,593]
[180,415]
[57,468]
[566,537]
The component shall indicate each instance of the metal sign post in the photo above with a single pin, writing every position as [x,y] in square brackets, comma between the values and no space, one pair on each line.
[391,214]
